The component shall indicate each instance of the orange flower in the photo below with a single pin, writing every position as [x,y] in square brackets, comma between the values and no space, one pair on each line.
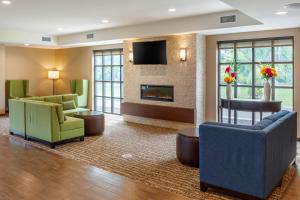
[228,79]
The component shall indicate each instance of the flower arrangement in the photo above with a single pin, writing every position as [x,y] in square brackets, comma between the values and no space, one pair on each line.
[230,75]
[268,72]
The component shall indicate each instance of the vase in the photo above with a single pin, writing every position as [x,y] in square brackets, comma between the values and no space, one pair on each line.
[267,91]
[228,91]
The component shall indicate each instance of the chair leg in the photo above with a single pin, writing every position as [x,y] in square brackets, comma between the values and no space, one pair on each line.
[52,146]
[82,139]
[203,187]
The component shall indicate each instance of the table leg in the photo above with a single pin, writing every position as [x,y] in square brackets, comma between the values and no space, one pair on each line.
[221,115]
[261,115]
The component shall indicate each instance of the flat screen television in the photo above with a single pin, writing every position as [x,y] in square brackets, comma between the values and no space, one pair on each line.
[150,53]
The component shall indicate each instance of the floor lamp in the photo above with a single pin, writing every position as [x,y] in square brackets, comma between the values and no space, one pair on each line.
[53,75]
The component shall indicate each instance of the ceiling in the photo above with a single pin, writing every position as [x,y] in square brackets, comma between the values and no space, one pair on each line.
[45,17]
[264,11]
[68,21]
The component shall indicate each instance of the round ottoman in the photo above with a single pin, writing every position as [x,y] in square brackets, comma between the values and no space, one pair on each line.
[93,122]
[187,147]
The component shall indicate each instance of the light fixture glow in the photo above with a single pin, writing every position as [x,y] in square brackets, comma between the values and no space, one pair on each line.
[131,56]
[27,45]
[6,2]
[171,9]
[104,21]
[182,54]
[53,74]
[60,29]
[281,13]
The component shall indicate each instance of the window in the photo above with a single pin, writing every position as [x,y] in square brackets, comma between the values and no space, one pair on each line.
[249,54]
[108,76]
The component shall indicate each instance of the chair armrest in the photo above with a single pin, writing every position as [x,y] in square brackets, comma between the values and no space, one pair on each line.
[233,158]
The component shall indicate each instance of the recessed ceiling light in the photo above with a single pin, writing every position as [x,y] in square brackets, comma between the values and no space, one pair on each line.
[281,13]
[104,21]
[6,2]
[27,45]
[59,29]
[171,9]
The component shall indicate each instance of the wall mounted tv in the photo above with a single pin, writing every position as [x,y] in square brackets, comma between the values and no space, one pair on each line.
[150,53]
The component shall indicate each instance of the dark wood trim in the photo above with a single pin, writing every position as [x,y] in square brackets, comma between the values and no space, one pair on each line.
[169,113]
[298,139]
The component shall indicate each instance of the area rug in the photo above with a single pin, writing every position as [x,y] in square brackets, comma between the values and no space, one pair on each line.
[145,154]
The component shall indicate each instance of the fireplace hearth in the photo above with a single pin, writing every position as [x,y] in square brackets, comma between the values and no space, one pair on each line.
[157,92]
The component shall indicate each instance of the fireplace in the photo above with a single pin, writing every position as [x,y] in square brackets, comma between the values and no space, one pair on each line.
[157,92]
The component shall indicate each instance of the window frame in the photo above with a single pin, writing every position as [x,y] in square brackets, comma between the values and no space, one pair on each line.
[111,81]
[253,86]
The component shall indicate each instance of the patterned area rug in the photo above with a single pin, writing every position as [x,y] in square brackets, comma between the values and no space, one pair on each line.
[145,154]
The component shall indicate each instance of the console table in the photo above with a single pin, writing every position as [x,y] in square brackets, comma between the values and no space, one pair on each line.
[250,105]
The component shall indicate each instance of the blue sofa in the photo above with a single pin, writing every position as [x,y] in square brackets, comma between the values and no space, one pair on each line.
[247,160]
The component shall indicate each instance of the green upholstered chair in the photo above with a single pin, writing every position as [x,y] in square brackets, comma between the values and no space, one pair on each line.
[17,117]
[16,89]
[18,110]
[46,122]
[81,88]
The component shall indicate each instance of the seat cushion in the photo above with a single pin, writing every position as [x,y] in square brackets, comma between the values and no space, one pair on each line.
[53,99]
[73,111]
[72,123]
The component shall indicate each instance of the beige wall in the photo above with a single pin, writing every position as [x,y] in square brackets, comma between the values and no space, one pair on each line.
[77,63]
[30,64]
[26,63]
[211,67]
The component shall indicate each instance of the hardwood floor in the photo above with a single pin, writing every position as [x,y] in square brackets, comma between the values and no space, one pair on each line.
[27,172]
[30,173]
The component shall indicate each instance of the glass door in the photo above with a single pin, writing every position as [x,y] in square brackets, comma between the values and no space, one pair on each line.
[108,85]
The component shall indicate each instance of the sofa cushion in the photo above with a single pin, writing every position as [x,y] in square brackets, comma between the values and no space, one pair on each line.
[53,99]
[73,111]
[70,97]
[232,125]
[277,116]
[68,105]
[72,123]
[263,124]
[35,98]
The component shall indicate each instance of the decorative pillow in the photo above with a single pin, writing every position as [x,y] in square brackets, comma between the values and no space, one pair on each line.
[53,99]
[68,105]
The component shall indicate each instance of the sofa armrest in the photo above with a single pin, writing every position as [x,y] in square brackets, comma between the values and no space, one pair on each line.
[233,158]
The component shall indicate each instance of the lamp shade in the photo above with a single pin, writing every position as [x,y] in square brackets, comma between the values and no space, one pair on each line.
[53,75]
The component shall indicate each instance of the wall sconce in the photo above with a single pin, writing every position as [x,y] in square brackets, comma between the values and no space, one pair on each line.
[182,54]
[131,56]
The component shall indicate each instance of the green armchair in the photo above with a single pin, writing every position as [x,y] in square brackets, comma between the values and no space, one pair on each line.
[16,89]
[46,122]
[81,88]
